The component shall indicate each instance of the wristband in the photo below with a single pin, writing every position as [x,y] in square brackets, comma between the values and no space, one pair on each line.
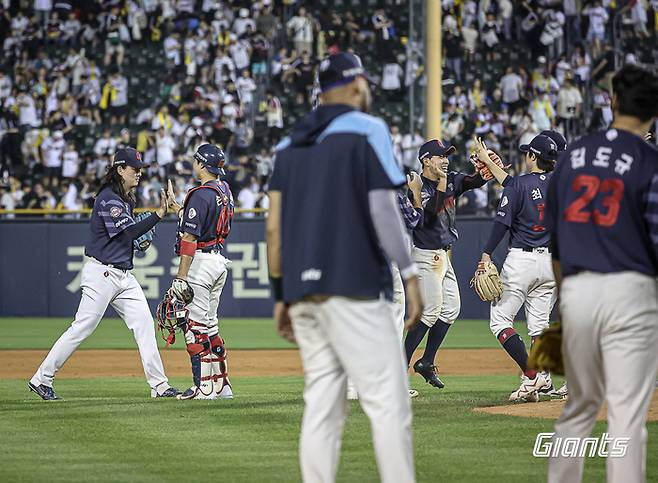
[187,248]
[277,288]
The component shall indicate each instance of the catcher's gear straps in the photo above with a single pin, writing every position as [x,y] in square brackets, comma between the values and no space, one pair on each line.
[225,217]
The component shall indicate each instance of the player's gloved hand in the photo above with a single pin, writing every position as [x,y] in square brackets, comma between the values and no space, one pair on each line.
[486,282]
[182,290]
[546,351]
[482,156]
[143,242]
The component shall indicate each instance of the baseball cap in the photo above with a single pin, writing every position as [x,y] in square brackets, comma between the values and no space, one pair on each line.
[542,146]
[128,157]
[211,157]
[435,147]
[340,69]
[557,138]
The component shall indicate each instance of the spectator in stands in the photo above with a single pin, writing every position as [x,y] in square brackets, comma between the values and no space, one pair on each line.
[274,116]
[164,151]
[569,102]
[116,91]
[248,196]
[114,28]
[52,150]
[246,88]
[392,81]
[598,17]
[452,52]
[300,28]
[511,86]
[470,36]
[490,31]
[70,162]
[411,142]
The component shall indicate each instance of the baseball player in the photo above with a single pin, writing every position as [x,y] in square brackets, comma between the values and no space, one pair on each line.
[510,341]
[412,214]
[331,274]
[106,278]
[602,213]
[527,276]
[205,223]
[432,239]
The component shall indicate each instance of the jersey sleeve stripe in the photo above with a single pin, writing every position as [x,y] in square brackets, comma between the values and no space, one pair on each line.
[378,137]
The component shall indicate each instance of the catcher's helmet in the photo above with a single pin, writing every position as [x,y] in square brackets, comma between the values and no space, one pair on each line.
[212,158]
[170,314]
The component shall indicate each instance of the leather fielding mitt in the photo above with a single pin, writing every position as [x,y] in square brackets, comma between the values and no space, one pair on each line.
[482,168]
[144,242]
[486,282]
[546,351]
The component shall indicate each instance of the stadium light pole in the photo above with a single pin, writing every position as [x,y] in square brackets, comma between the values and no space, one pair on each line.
[434,104]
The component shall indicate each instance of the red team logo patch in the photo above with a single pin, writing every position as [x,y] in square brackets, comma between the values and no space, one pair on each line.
[115,212]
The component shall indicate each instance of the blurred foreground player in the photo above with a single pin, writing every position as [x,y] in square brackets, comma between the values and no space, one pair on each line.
[333,227]
[602,209]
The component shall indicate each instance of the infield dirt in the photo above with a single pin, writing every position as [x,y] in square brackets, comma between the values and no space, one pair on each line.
[88,364]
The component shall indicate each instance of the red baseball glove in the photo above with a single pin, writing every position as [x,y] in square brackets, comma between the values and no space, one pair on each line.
[482,168]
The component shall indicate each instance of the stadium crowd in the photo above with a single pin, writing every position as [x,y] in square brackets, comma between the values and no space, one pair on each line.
[227,71]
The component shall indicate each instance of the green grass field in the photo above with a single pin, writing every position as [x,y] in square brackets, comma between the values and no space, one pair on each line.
[107,431]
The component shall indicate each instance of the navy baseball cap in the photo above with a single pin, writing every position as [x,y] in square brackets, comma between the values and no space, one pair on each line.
[558,138]
[340,69]
[212,158]
[543,146]
[435,147]
[128,157]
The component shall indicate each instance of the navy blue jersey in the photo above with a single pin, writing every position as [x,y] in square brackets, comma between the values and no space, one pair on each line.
[324,171]
[110,217]
[438,229]
[602,205]
[208,214]
[521,209]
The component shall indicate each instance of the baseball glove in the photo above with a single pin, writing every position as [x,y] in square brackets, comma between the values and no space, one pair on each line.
[486,282]
[482,168]
[546,351]
[143,242]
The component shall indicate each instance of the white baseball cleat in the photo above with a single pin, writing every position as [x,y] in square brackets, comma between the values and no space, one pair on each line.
[527,392]
[563,392]
[352,394]
[195,393]
[225,393]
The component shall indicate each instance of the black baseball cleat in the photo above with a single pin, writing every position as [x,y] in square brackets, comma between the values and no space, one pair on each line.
[171,392]
[44,392]
[428,371]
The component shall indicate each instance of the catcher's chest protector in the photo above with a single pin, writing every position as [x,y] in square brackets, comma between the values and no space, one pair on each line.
[223,226]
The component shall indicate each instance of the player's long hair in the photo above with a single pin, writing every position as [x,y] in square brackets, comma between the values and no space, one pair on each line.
[545,165]
[114,181]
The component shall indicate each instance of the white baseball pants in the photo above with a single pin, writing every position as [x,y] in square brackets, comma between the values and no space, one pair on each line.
[527,281]
[207,276]
[439,286]
[610,336]
[102,286]
[341,337]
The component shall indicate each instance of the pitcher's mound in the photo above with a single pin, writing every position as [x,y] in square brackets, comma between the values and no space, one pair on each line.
[553,409]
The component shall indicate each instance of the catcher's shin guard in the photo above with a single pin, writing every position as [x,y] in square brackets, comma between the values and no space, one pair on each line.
[221,384]
[198,347]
